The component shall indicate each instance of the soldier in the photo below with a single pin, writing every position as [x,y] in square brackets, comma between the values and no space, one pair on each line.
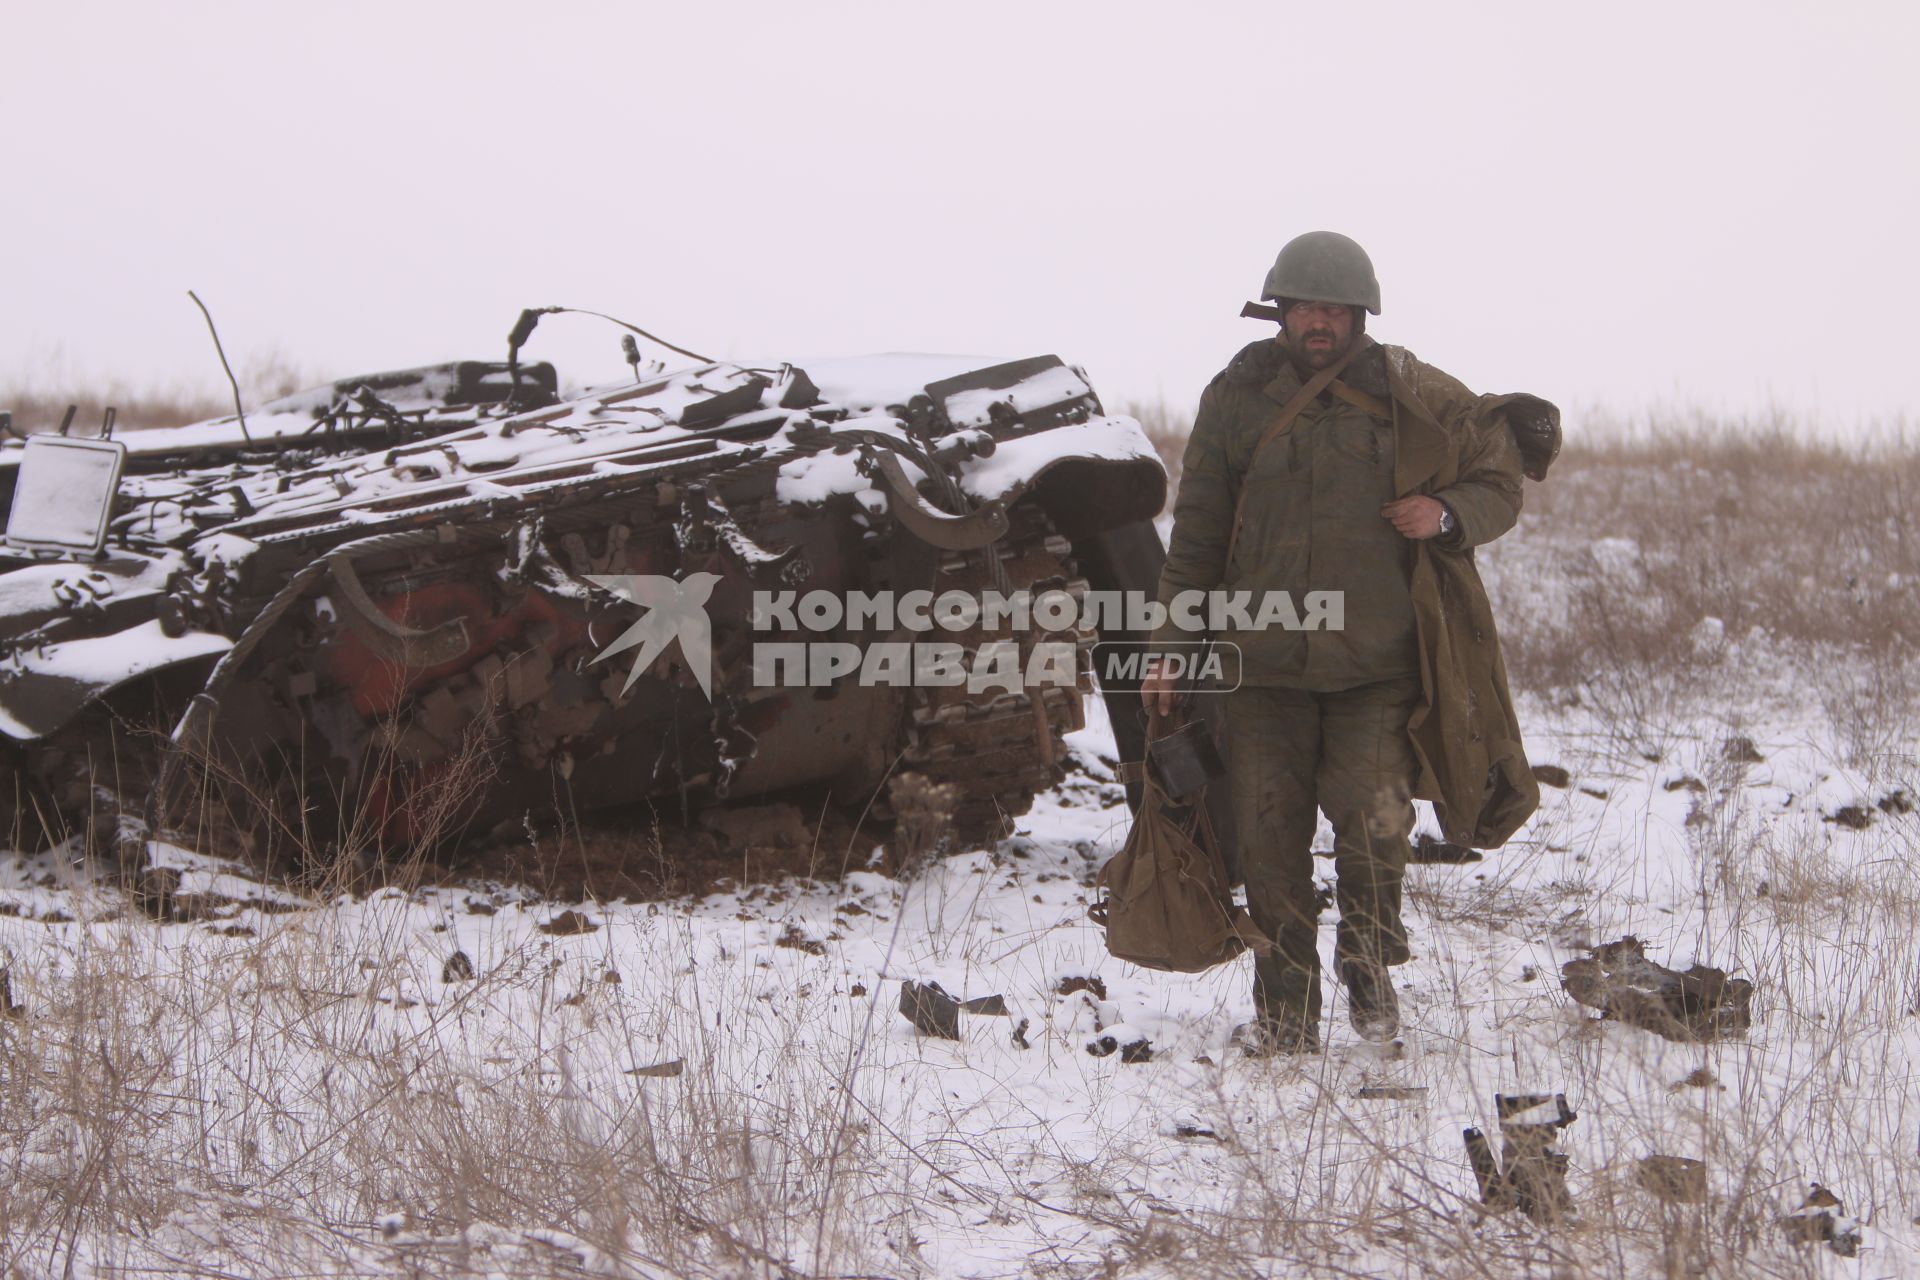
[1323,461]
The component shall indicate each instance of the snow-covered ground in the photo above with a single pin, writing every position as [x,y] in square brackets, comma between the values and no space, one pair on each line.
[288,1087]
[479,1080]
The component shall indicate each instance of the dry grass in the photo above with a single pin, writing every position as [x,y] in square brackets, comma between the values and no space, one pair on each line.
[1804,543]
[39,401]
[292,1106]
[1654,575]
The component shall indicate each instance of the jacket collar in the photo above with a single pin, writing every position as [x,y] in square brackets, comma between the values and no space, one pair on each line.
[1421,447]
[1367,371]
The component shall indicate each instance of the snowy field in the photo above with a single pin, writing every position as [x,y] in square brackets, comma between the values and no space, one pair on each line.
[724,1087]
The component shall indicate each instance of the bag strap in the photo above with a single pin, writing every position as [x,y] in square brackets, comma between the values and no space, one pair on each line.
[1292,409]
[1361,400]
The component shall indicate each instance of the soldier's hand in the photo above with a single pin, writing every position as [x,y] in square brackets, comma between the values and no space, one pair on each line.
[1158,694]
[1415,517]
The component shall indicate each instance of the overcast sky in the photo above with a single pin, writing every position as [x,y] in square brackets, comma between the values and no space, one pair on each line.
[1622,205]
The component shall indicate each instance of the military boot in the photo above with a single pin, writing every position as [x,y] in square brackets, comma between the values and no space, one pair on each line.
[1272,1037]
[1286,1012]
[1372,1006]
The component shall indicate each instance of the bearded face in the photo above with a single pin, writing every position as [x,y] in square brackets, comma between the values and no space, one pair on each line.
[1318,332]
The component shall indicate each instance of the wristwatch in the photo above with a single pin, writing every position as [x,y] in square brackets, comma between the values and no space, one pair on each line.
[1447,523]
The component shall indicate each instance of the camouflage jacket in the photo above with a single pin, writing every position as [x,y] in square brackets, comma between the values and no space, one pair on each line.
[1409,605]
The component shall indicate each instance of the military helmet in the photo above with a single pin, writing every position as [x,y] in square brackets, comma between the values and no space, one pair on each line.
[1324,266]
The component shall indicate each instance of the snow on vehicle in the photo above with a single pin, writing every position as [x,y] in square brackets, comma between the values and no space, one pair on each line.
[376,612]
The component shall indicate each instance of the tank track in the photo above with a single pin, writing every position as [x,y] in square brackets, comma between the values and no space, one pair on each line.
[1000,748]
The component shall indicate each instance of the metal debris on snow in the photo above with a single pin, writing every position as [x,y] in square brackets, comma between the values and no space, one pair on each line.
[660,1070]
[930,1009]
[1136,1050]
[1822,1219]
[1701,1004]
[1530,1175]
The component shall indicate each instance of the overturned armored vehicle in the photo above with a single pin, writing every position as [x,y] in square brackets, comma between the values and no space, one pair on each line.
[408,607]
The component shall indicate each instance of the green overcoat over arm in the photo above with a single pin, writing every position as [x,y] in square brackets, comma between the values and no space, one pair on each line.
[1473,762]
[1484,492]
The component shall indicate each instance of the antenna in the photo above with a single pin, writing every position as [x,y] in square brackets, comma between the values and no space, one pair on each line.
[523,329]
[239,411]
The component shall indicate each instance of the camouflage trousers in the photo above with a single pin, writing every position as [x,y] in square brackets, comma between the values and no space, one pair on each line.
[1294,752]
